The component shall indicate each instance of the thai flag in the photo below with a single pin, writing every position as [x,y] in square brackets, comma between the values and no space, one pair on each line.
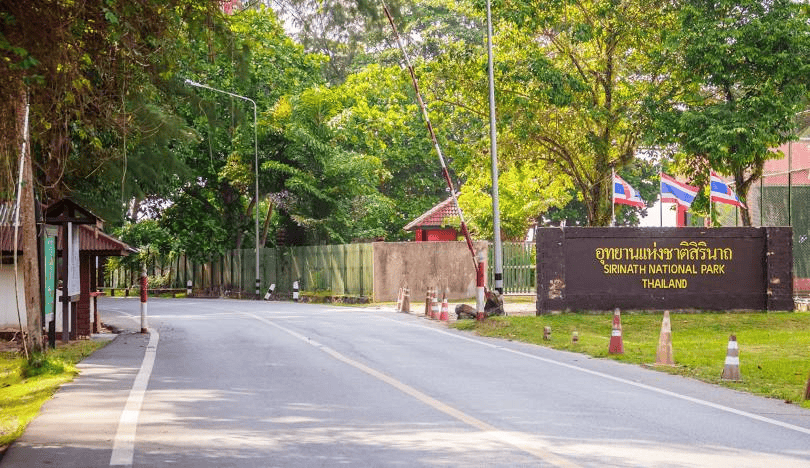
[722,193]
[624,194]
[673,191]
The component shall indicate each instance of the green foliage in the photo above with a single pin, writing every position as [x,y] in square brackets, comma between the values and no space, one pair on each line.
[571,95]
[90,70]
[741,68]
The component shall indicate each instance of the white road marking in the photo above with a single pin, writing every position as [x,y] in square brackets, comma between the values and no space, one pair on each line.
[661,391]
[123,450]
[505,437]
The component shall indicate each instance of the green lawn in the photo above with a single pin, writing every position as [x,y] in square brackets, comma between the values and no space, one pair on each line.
[774,347]
[26,385]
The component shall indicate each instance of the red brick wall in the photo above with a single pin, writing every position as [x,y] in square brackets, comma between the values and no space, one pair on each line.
[83,306]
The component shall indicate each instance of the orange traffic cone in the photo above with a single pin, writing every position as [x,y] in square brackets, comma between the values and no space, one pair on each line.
[445,314]
[731,371]
[663,357]
[616,344]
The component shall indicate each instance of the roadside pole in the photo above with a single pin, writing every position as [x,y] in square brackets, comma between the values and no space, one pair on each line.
[144,285]
[480,286]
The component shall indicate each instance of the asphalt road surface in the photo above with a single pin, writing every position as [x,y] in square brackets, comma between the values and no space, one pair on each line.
[226,383]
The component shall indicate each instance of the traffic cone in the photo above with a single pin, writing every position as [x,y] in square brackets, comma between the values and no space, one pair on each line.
[445,314]
[406,301]
[399,300]
[616,344]
[663,357]
[731,371]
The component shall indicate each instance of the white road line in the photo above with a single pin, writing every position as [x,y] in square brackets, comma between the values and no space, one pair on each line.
[503,436]
[661,391]
[123,450]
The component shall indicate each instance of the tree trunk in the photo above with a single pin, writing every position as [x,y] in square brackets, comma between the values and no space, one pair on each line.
[30,257]
[266,226]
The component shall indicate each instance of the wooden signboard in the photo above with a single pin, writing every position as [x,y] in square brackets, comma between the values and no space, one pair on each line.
[664,268]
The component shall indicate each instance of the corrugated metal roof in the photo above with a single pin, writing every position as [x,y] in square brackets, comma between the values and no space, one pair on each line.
[6,213]
[90,240]
[435,216]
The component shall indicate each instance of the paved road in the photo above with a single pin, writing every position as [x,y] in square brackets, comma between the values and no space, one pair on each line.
[222,383]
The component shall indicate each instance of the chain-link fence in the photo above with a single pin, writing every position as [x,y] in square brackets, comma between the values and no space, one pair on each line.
[782,198]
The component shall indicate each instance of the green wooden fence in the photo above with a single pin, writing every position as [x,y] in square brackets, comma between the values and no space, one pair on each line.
[341,270]
[519,268]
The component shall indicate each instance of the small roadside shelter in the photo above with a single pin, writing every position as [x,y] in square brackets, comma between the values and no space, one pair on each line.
[94,246]
[90,247]
[437,224]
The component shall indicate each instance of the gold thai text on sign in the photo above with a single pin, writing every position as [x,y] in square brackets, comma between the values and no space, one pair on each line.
[665,267]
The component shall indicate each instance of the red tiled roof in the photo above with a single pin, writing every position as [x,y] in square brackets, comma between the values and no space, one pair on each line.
[435,216]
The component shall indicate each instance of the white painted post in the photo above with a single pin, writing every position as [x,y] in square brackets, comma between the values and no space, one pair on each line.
[144,285]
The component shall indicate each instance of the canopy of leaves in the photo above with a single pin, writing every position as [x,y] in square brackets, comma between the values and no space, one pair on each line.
[742,67]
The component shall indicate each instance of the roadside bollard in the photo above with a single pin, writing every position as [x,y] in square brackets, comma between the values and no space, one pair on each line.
[188,288]
[616,345]
[406,301]
[295,291]
[547,333]
[270,292]
[480,292]
[144,285]
[428,301]
[434,308]
[400,296]
[807,390]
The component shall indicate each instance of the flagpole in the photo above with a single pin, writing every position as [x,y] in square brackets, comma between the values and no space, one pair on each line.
[612,197]
[661,197]
[711,204]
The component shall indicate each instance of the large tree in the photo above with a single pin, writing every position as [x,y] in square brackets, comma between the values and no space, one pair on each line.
[573,84]
[250,56]
[75,64]
[743,68]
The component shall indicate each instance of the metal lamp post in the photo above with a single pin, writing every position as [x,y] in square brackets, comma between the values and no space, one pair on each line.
[255,162]
[496,212]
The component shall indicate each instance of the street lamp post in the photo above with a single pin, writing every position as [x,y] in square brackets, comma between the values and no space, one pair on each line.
[255,162]
[493,149]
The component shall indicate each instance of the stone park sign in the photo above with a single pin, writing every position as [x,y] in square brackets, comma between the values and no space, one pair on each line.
[664,268]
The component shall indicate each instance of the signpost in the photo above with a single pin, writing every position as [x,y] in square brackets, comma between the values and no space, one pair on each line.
[49,286]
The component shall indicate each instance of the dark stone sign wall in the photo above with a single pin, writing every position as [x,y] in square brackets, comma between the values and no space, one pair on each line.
[664,268]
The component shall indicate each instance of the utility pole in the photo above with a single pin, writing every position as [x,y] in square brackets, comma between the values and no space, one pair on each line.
[493,149]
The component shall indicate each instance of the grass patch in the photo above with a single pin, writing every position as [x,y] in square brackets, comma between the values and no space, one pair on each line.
[26,385]
[774,347]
